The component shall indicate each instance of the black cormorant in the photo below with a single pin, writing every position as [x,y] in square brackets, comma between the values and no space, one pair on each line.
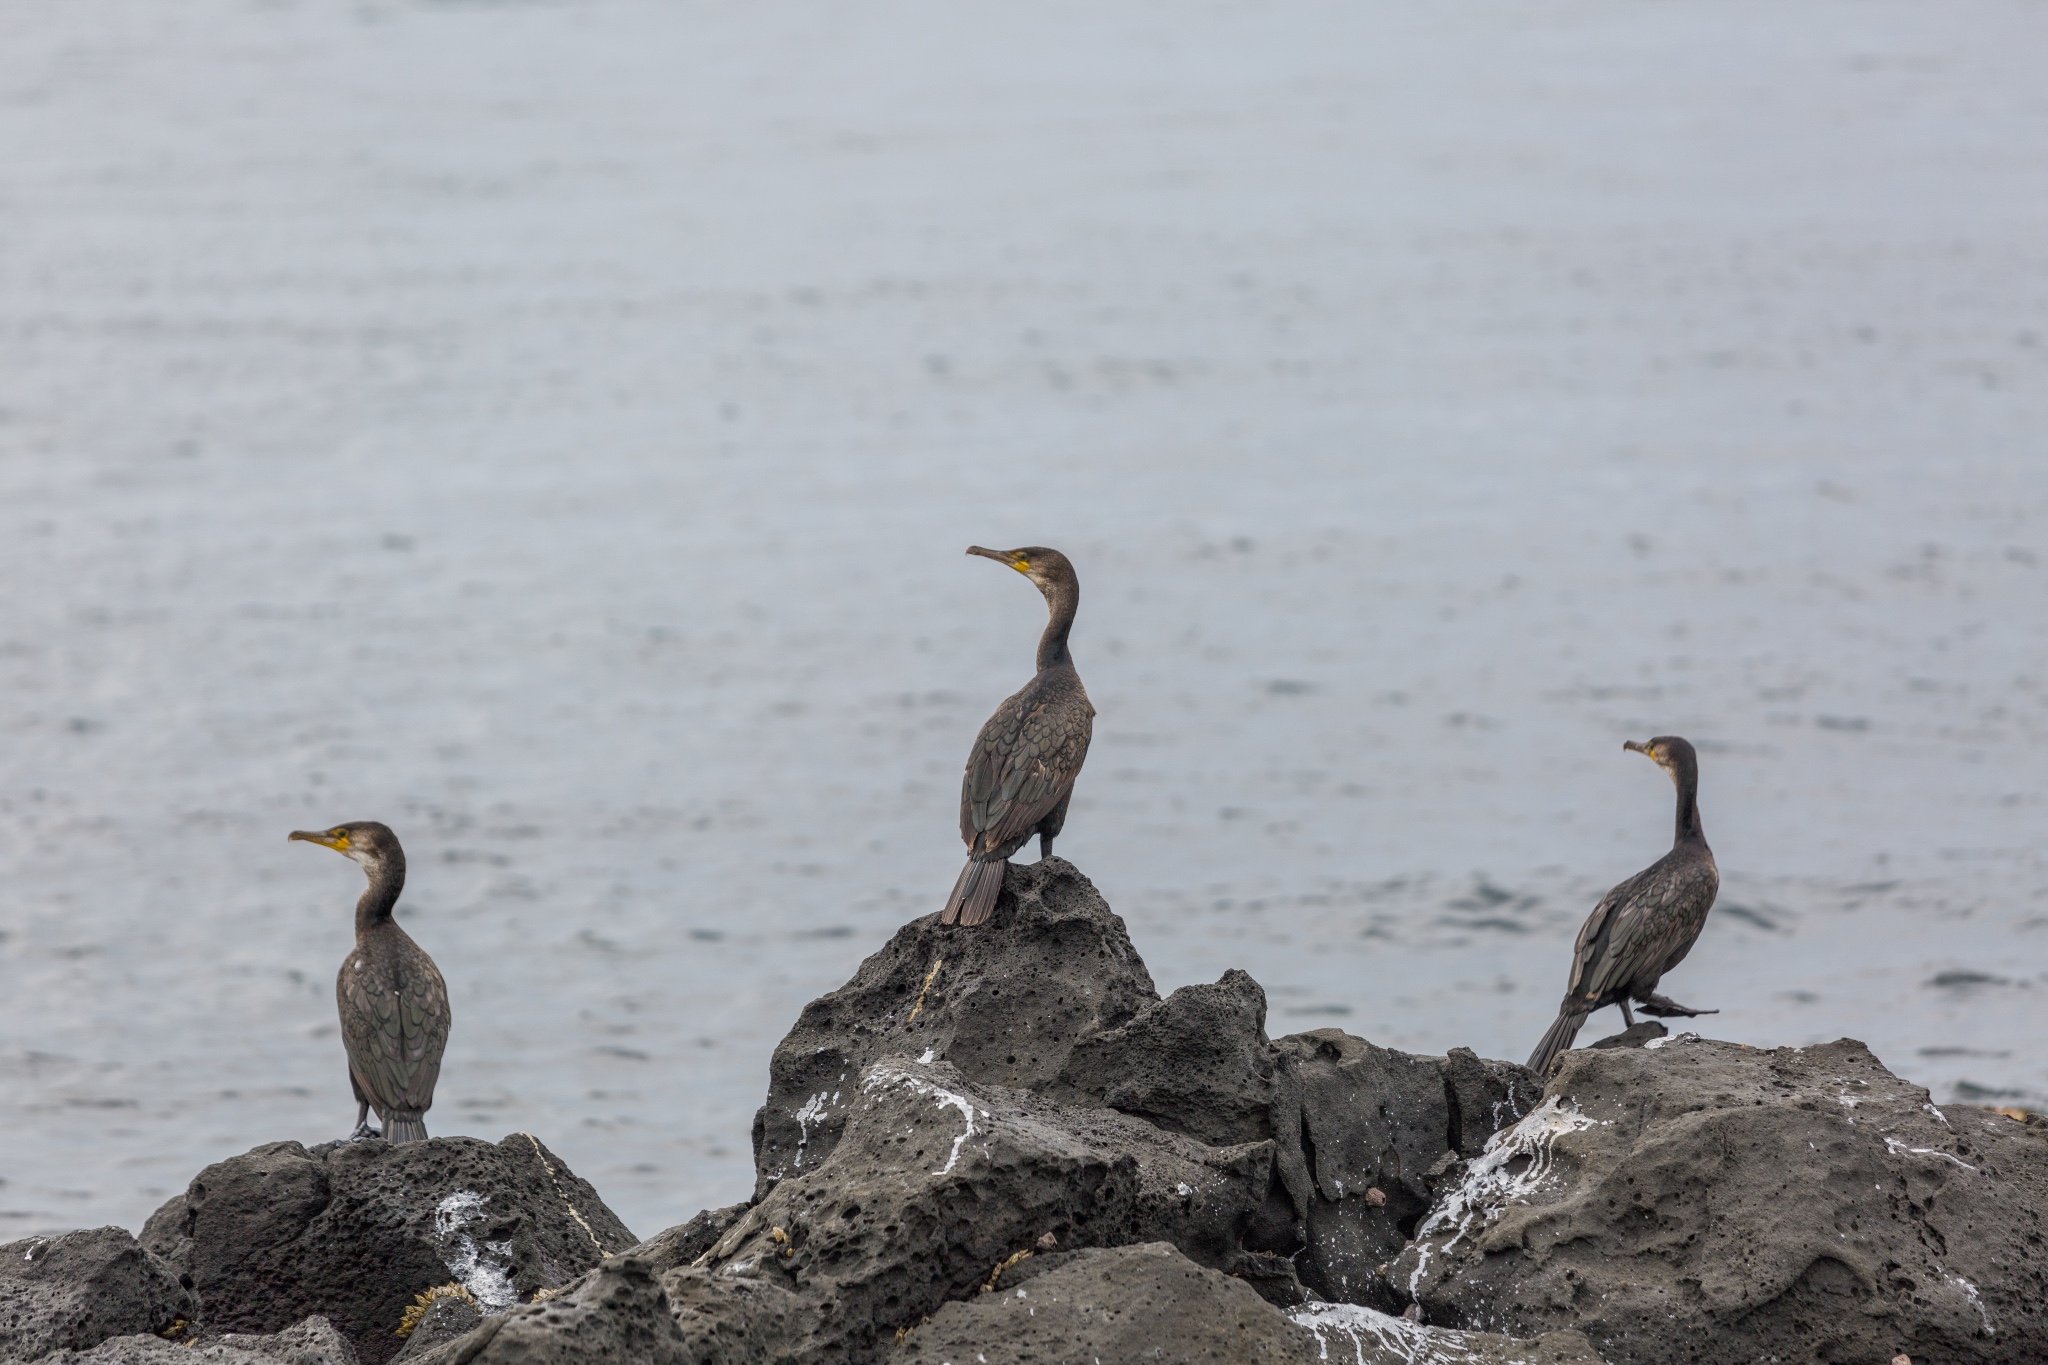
[1644,927]
[1021,770]
[393,1002]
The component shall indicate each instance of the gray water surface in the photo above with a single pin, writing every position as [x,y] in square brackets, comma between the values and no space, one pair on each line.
[553,429]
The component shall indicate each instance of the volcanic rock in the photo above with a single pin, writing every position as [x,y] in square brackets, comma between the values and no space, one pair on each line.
[1004,1001]
[354,1231]
[77,1290]
[685,1242]
[1708,1203]
[615,1315]
[1196,1063]
[446,1318]
[1145,1303]
[1358,1118]
[938,1183]
[312,1342]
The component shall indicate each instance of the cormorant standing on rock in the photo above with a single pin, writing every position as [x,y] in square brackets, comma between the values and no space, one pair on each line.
[394,1004]
[1644,927]
[1021,770]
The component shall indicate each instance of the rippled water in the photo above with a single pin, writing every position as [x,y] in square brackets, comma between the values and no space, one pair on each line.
[554,430]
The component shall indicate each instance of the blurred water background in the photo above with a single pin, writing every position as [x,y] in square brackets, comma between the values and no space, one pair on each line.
[554,429]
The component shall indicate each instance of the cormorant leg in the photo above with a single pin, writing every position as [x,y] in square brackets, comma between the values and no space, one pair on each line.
[1044,845]
[1626,1018]
[1670,1009]
[363,1128]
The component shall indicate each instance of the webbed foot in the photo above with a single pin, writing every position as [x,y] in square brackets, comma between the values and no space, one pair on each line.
[1666,1008]
[362,1133]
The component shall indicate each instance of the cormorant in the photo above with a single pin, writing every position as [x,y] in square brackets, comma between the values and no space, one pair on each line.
[393,1002]
[1021,770]
[1644,927]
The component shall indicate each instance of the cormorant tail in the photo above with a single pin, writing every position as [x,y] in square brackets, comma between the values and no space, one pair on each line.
[397,1129]
[1559,1038]
[974,895]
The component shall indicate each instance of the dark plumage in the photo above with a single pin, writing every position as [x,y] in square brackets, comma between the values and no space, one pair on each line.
[393,1002]
[1644,927]
[1021,770]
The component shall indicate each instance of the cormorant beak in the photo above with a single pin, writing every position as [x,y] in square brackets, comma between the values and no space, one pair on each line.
[1653,753]
[1015,561]
[337,842]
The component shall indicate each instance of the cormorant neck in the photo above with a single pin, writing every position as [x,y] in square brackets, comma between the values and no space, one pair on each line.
[387,879]
[1687,826]
[1063,601]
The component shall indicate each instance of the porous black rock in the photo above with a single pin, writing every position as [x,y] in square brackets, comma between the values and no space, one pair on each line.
[446,1318]
[77,1290]
[1149,1303]
[937,1183]
[1639,1034]
[685,1242]
[1706,1203]
[615,1315]
[1004,1001]
[312,1342]
[1359,1119]
[1197,1063]
[1484,1097]
[354,1231]
[1127,1304]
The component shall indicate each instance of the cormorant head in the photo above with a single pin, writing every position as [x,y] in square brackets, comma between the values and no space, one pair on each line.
[1669,752]
[368,842]
[1049,569]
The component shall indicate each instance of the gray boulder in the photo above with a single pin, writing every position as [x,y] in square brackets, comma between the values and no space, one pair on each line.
[312,1342]
[1005,1002]
[1149,1303]
[937,1184]
[354,1231]
[1707,1202]
[1196,1063]
[1366,1125]
[75,1291]
[615,1315]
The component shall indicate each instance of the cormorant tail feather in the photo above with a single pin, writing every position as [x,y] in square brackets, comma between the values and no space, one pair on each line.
[974,895]
[1557,1040]
[412,1129]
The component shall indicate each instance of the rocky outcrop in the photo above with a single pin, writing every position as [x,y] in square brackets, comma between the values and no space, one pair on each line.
[1005,1002]
[1705,1202]
[1024,1153]
[354,1231]
[312,1342]
[77,1290]
[937,1183]
[1050,998]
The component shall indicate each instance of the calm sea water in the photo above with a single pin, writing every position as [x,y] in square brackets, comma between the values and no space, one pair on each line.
[554,429]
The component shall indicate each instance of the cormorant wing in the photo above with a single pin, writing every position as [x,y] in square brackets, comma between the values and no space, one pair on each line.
[394,1027]
[1023,764]
[1629,930]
